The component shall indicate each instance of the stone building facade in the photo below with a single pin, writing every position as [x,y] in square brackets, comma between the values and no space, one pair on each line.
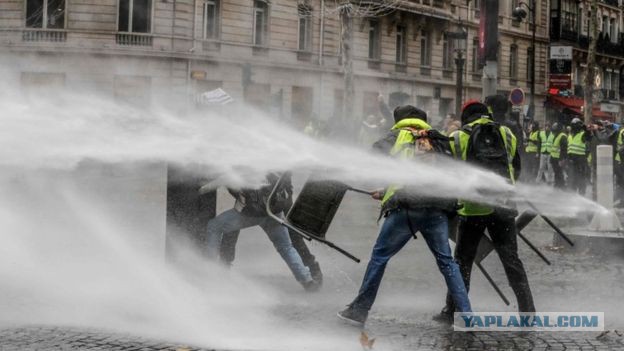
[570,28]
[281,55]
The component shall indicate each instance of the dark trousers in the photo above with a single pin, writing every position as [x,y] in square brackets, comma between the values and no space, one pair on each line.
[578,173]
[618,169]
[531,166]
[228,248]
[502,230]
[558,171]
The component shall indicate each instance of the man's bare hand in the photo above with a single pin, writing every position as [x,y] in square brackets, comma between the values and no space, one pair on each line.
[378,194]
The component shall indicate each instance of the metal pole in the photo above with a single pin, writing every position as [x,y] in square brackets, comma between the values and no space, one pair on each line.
[533,54]
[459,61]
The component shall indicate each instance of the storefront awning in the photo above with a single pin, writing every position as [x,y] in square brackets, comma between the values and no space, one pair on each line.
[573,105]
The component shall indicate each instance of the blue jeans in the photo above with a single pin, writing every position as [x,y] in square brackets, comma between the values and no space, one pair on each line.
[231,221]
[394,234]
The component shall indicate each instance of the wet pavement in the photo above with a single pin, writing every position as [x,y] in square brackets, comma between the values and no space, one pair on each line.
[411,294]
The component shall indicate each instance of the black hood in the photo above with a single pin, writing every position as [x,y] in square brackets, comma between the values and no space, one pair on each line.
[409,111]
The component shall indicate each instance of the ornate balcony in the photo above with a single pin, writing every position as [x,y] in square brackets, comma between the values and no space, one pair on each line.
[134,39]
[44,35]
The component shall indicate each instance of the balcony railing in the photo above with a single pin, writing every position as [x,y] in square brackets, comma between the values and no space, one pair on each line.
[133,39]
[604,45]
[611,2]
[44,35]
[608,94]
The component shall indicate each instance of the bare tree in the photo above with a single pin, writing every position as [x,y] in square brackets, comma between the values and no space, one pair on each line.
[590,74]
[348,10]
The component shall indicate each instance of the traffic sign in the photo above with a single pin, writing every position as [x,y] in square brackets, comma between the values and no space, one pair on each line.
[516,96]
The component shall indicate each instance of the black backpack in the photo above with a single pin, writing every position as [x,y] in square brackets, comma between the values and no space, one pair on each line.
[486,148]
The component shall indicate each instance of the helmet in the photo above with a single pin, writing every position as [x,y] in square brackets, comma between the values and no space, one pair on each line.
[576,121]
[556,127]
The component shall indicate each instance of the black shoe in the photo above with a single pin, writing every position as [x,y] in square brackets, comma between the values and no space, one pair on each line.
[353,316]
[312,286]
[445,316]
[315,270]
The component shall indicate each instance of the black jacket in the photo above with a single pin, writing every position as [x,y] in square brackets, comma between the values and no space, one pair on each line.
[252,202]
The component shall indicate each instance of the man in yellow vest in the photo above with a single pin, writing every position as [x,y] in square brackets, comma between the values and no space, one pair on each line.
[558,154]
[578,169]
[406,212]
[476,218]
[545,170]
[532,152]
[618,168]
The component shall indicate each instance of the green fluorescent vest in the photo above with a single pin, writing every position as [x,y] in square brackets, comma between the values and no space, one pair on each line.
[400,149]
[576,145]
[547,141]
[555,149]
[459,142]
[532,143]
[620,145]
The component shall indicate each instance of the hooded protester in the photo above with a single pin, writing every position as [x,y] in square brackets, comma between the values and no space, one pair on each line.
[406,212]
[250,210]
[493,147]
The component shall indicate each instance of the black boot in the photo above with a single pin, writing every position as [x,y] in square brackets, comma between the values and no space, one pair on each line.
[445,316]
[353,316]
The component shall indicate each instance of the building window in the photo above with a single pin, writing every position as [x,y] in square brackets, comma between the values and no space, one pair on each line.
[587,23]
[513,61]
[261,19]
[529,63]
[581,21]
[45,14]
[425,49]
[605,25]
[499,58]
[447,53]
[305,30]
[477,8]
[613,30]
[211,19]
[515,4]
[476,67]
[401,44]
[374,40]
[569,17]
[135,16]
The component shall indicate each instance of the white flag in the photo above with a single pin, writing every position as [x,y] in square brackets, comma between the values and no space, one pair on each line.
[215,97]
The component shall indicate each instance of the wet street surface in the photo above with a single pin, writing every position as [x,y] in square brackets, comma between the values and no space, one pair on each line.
[411,294]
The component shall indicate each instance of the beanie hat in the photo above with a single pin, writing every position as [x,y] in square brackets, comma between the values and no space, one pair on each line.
[409,111]
[473,110]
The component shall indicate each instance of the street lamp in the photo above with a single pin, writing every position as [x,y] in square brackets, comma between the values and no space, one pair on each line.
[459,43]
[519,14]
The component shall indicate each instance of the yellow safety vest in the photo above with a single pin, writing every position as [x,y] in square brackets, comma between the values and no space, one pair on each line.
[555,148]
[405,137]
[459,142]
[576,145]
[620,145]
[532,143]
[546,140]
